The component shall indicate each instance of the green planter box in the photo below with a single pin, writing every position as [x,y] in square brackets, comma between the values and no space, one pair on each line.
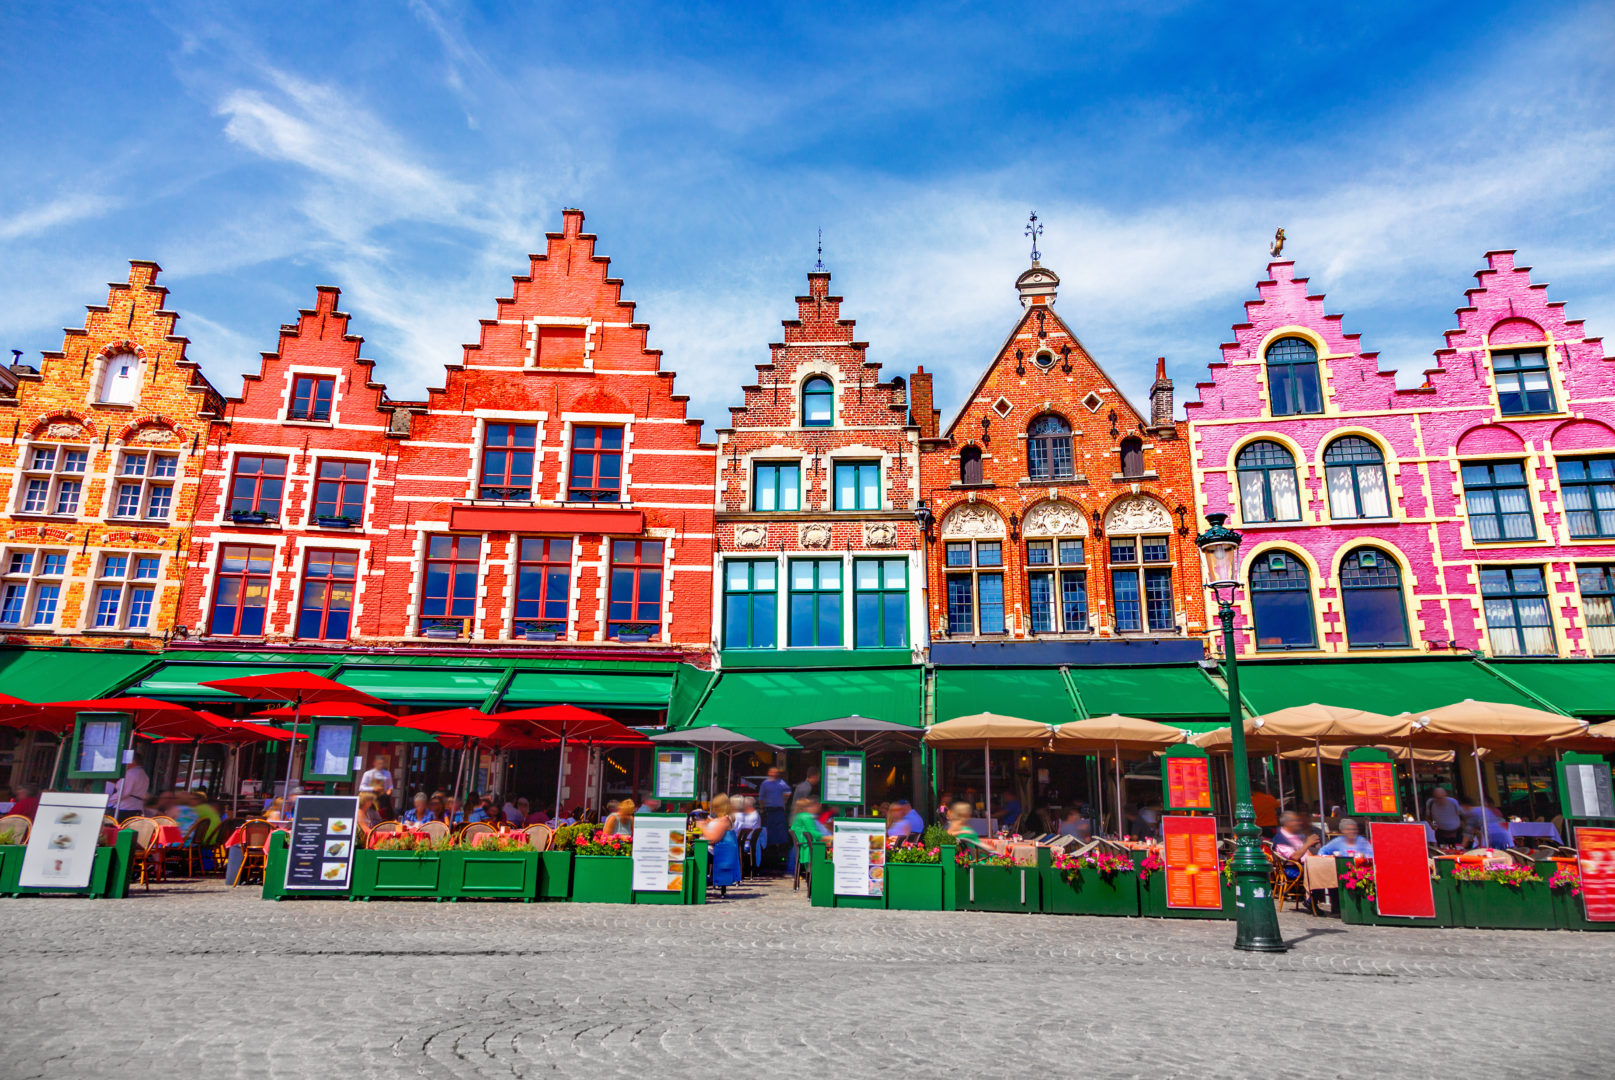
[1000,888]
[950,877]
[1568,911]
[511,875]
[1152,899]
[695,880]
[1357,910]
[554,875]
[399,874]
[822,886]
[109,874]
[915,886]
[1090,894]
[1487,905]
[602,879]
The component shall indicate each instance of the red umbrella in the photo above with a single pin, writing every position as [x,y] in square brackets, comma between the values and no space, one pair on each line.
[453,723]
[566,723]
[152,718]
[351,710]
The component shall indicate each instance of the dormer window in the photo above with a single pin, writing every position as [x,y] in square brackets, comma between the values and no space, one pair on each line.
[311,397]
[1292,377]
[120,380]
[818,402]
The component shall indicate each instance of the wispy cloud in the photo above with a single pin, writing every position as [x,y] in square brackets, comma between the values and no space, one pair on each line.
[46,217]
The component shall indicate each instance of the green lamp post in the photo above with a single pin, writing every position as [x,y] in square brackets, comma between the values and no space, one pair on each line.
[1255,919]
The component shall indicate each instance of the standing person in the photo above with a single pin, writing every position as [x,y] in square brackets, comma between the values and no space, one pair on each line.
[1445,817]
[808,788]
[378,777]
[1267,811]
[772,795]
[127,797]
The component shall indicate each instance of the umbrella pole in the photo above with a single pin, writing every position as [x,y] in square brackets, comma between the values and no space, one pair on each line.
[56,766]
[1323,813]
[987,773]
[1413,774]
[291,752]
[190,779]
[560,773]
[1117,750]
[1480,796]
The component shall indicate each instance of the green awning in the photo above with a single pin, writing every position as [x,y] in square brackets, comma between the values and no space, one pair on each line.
[1584,688]
[388,733]
[183,681]
[431,685]
[68,674]
[763,704]
[1036,694]
[591,687]
[1383,686]
[1167,693]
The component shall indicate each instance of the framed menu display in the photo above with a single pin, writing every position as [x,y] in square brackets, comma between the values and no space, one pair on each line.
[843,783]
[1186,778]
[324,833]
[1585,792]
[660,847]
[99,740]
[675,773]
[1402,887]
[1595,858]
[858,852]
[61,846]
[1193,874]
[1370,783]
[331,751]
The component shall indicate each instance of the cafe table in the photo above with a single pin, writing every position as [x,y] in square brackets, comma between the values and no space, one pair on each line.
[1535,830]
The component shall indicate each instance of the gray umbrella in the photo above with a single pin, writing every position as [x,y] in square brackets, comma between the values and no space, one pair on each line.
[857,733]
[715,740]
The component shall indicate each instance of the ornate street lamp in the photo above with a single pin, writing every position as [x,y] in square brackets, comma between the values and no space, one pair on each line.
[1255,919]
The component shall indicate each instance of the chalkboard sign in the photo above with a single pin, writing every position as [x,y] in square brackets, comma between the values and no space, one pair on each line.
[324,833]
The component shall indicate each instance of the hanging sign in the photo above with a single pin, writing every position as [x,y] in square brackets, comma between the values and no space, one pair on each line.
[843,778]
[674,774]
[1186,778]
[324,832]
[1402,886]
[1193,877]
[1585,791]
[331,751]
[858,852]
[61,845]
[1595,858]
[1370,783]
[99,741]
[660,844]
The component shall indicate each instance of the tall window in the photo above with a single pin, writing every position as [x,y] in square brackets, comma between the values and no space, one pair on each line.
[857,485]
[1354,470]
[750,604]
[449,598]
[818,402]
[311,397]
[1292,377]
[1281,602]
[241,590]
[880,603]
[257,487]
[636,590]
[145,486]
[1598,607]
[329,579]
[815,603]
[1048,449]
[507,461]
[1588,485]
[970,465]
[776,485]
[120,380]
[1523,385]
[339,491]
[1132,456]
[1371,592]
[1268,490]
[975,575]
[596,464]
[1141,584]
[543,585]
[1498,502]
[31,590]
[1515,599]
[53,480]
[1056,586]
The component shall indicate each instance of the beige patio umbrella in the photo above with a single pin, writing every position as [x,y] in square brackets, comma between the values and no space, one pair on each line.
[1115,733]
[1334,754]
[1598,739]
[1494,726]
[984,731]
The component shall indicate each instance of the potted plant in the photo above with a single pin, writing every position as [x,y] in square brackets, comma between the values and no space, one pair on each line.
[1099,883]
[603,869]
[334,521]
[1503,898]
[401,864]
[491,866]
[992,882]
[914,871]
[250,517]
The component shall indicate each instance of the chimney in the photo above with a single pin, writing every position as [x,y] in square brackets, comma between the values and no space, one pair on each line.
[920,412]
[1161,397]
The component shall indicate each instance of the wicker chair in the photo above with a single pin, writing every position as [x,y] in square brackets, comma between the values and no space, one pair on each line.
[435,830]
[20,824]
[148,857]
[383,830]
[477,828]
[539,836]
[254,835]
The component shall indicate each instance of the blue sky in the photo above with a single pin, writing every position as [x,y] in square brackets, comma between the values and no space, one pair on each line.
[414,153]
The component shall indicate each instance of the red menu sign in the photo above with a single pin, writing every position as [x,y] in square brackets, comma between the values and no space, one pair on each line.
[1192,878]
[1373,787]
[1402,885]
[1595,856]
[1188,783]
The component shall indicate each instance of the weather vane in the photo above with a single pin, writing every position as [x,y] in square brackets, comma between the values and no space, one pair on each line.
[1034,230]
[820,264]
[1277,247]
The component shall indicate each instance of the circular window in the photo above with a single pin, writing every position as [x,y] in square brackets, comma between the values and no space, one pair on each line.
[1044,359]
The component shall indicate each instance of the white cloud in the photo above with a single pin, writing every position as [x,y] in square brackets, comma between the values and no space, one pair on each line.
[63,210]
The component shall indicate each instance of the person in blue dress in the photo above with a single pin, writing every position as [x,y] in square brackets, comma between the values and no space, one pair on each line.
[719,831]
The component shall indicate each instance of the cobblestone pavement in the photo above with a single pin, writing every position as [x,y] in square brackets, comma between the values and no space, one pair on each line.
[196,981]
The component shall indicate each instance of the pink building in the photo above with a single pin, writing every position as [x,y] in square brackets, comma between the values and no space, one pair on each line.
[1476,511]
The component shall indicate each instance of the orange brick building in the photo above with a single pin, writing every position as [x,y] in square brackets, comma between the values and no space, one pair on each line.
[1063,514]
[98,476]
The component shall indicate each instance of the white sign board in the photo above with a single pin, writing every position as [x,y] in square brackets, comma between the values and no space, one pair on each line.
[858,850]
[844,779]
[675,774]
[61,847]
[659,848]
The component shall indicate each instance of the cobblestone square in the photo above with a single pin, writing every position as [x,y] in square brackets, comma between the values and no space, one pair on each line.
[195,980]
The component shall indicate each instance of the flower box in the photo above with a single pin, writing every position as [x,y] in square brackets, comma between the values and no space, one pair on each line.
[397,873]
[490,874]
[554,875]
[602,879]
[325,521]
[250,517]
[695,880]
[109,873]
[915,886]
[999,888]
[1091,893]
[1358,909]
[1569,913]
[1492,905]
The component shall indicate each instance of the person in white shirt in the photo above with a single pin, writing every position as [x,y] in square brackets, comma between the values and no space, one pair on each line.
[127,797]
[377,778]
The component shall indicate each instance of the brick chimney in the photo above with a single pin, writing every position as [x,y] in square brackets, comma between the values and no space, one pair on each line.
[1161,397]
[920,412]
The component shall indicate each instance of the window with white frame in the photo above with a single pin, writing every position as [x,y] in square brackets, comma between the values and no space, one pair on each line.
[31,590]
[975,586]
[53,479]
[145,485]
[125,591]
[1056,586]
[120,380]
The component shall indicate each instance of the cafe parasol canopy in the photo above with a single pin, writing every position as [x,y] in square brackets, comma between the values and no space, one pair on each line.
[715,740]
[856,733]
[1495,727]
[1114,733]
[983,731]
[567,723]
[1598,739]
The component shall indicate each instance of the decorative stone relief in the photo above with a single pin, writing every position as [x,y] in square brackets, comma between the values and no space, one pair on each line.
[880,534]
[1057,518]
[973,519]
[65,430]
[154,434]
[816,536]
[750,536]
[1138,514]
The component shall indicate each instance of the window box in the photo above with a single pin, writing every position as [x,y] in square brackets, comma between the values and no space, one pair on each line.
[1491,905]
[1090,894]
[326,521]
[602,879]
[251,517]
[443,629]
[633,639]
[539,631]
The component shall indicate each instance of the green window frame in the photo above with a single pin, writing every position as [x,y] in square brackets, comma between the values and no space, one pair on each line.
[815,604]
[1524,384]
[1588,487]
[750,604]
[776,485]
[857,485]
[1497,498]
[319,742]
[880,603]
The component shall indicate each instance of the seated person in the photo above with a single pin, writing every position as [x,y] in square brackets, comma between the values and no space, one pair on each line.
[1293,840]
[1074,824]
[959,826]
[896,822]
[369,815]
[1351,841]
[805,824]
[27,803]
[621,822]
[421,812]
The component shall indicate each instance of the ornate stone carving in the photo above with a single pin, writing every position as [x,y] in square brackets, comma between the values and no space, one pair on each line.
[880,534]
[816,536]
[750,536]
[66,429]
[154,434]
[973,519]
[1138,514]
[1054,518]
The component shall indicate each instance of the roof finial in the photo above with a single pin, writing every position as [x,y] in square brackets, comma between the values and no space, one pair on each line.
[1034,230]
[1277,247]
[820,264]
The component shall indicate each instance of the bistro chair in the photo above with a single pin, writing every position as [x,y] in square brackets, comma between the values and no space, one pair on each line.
[470,832]
[16,823]
[539,836]
[435,830]
[148,856]
[254,835]
[748,841]
[196,844]
[382,831]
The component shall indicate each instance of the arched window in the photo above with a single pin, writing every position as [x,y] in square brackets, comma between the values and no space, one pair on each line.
[1267,486]
[1048,446]
[120,380]
[1371,592]
[1292,377]
[818,402]
[1281,602]
[1355,471]
[970,465]
[1132,456]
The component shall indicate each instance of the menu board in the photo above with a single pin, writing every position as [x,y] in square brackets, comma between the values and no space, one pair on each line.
[844,778]
[331,755]
[1372,787]
[61,846]
[1585,787]
[1595,857]
[659,849]
[1188,782]
[675,773]
[858,849]
[100,741]
[1192,877]
[324,833]
[1402,887]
